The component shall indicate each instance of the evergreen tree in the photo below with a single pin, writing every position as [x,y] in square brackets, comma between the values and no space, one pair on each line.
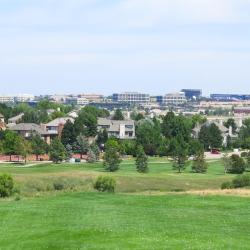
[91,156]
[111,156]
[210,136]
[69,151]
[141,160]
[118,115]
[199,163]
[179,150]
[82,145]
[102,137]
[57,151]
[237,165]
[68,134]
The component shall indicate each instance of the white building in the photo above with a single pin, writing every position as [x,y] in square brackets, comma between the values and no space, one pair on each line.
[81,101]
[7,99]
[131,97]
[175,98]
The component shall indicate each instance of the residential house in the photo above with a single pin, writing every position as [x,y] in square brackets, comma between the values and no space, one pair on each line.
[1,117]
[119,129]
[55,127]
[225,132]
[26,130]
[14,120]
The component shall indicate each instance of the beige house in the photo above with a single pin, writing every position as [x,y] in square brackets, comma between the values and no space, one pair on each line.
[119,129]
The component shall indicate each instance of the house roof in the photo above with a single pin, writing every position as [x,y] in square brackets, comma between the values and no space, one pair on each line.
[31,127]
[105,121]
[114,126]
[59,121]
[222,128]
[15,118]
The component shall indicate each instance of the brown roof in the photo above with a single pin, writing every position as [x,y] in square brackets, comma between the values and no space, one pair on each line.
[32,127]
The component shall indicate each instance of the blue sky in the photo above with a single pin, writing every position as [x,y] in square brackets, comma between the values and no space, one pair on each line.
[105,46]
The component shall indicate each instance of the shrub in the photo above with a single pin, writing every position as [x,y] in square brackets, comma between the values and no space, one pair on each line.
[6,185]
[237,165]
[244,154]
[199,164]
[227,185]
[58,185]
[241,181]
[105,184]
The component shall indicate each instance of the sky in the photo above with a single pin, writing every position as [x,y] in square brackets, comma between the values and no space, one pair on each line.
[108,46]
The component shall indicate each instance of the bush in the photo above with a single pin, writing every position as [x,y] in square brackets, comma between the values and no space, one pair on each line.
[105,184]
[241,181]
[6,185]
[58,186]
[244,154]
[237,165]
[227,185]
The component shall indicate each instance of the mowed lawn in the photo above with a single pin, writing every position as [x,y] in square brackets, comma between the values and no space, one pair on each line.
[120,221]
[161,176]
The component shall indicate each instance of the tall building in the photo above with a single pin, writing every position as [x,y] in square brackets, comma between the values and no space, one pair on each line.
[92,97]
[81,101]
[7,99]
[175,98]
[131,97]
[192,93]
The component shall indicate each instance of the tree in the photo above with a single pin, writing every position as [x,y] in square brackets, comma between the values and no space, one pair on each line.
[23,148]
[173,126]
[226,162]
[141,160]
[118,115]
[179,151]
[57,151]
[69,151]
[231,123]
[68,134]
[91,156]
[82,145]
[6,185]
[237,165]
[102,137]
[11,139]
[96,151]
[210,136]
[148,134]
[39,146]
[86,123]
[111,156]
[248,161]
[195,147]
[199,163]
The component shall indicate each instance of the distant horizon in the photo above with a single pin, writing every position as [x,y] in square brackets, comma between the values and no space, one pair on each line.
[110,94]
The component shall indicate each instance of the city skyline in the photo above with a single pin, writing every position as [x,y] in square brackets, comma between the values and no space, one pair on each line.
[106,46]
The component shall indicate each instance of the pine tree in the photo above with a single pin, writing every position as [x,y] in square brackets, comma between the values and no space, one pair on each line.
[141,160]
[57,151]
[82,145]
[112,158]
[199,163]
[91,156]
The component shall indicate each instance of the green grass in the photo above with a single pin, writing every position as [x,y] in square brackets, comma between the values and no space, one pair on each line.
[106,221]
[161,176]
